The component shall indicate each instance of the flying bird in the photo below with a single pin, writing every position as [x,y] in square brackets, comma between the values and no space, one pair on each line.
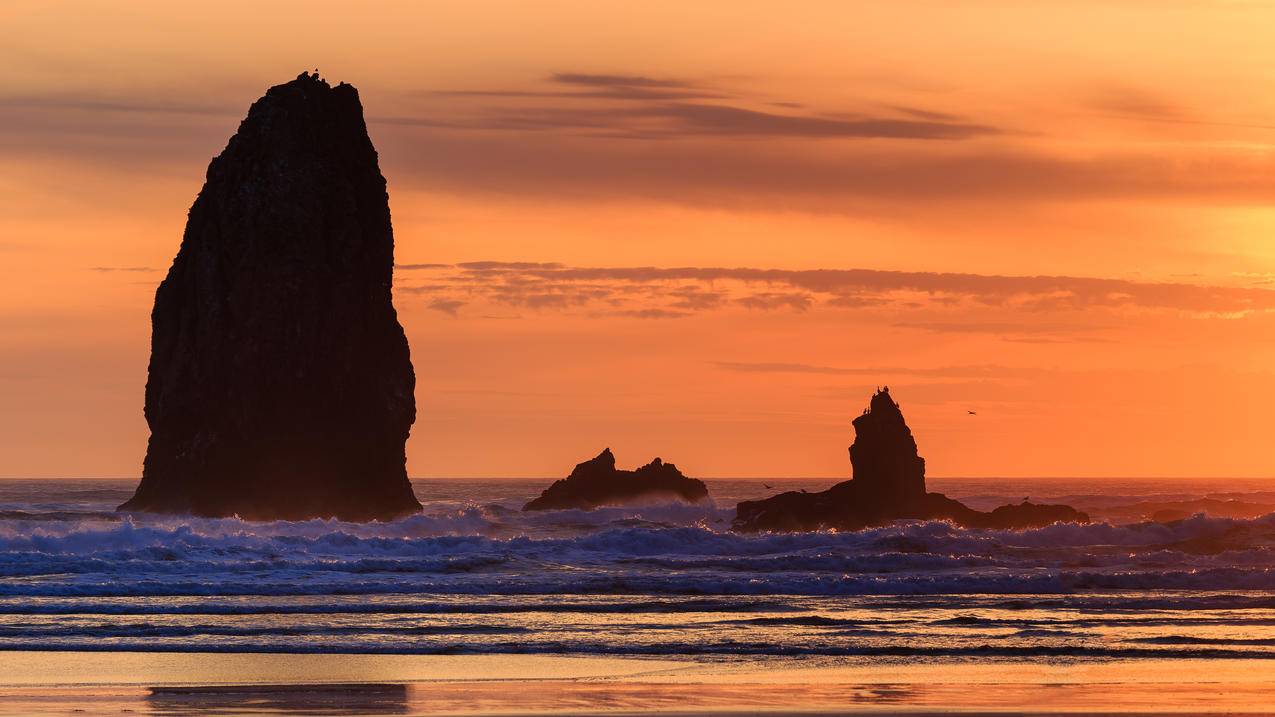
[972,413]
[768,486]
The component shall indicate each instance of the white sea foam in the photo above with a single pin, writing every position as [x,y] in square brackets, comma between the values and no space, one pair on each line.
[653,579]
[661,549]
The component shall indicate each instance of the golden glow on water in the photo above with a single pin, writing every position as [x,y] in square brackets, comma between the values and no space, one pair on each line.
[961,627]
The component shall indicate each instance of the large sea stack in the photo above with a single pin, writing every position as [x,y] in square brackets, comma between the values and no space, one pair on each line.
[280,383]
[888,484]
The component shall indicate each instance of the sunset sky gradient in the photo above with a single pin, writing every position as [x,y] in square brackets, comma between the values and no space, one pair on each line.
[704,231]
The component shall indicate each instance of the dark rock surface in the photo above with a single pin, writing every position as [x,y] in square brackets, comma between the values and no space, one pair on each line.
[886,468]
[280,384]
[596,482]
[888,484]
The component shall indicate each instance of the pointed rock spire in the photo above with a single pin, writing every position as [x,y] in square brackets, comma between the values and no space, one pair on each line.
[280,384]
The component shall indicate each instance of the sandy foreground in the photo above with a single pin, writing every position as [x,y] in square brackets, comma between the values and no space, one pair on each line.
[38,683]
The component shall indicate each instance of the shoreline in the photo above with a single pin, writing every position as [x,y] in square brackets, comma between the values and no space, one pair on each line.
[33,683]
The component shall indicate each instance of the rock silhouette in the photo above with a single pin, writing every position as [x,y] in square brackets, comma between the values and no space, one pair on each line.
[280,384]
[886,467]
[596,482]
[888,484]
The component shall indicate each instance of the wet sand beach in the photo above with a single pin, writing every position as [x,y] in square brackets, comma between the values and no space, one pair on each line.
[56,683]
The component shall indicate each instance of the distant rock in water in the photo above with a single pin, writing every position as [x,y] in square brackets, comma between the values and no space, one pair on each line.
[280,383]
[596,482]
[888,484]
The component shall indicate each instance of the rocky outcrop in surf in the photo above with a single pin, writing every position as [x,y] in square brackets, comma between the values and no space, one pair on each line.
[888,484]
[280,383]
[597,482]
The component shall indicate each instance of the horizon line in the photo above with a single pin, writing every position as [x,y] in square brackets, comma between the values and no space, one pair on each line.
[749,478]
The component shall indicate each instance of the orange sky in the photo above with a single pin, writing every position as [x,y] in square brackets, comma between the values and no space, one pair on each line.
[704,231]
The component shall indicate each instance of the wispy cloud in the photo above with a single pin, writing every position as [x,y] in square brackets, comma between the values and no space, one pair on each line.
[584,86]
[696,298]
[1028,292]
[924,114]
[451,307]
[662,108]
[829,159]
[771,300]
[652,313]
[419,267]
[1025,332]
[971,372]
[101,104]
[1142,105]
[508,265]
[849,177]
[1128,101]
[595,80]
[659,292]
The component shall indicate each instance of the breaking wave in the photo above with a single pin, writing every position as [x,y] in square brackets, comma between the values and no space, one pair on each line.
[663,550]
[471,576]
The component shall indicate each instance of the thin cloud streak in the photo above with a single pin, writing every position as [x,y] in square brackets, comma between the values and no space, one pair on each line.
[127,105]
[682,120]
[647,115]
[706,155]
[451,307]
[844,179]
[595,80]
[1140,105]
[585,86]
[684,290]
[707,120]
[985,371]
[1023,291]
[1035,332]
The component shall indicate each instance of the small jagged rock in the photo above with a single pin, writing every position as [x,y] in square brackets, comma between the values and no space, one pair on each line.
[280,383]
[888,484]
[596,482]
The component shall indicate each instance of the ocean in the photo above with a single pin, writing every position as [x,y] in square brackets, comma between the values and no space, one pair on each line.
[474,575]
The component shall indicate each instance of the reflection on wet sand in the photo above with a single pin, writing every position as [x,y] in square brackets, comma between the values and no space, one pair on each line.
[357,685]
[336,699]
[598,696]
[577,697]
[580,697]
